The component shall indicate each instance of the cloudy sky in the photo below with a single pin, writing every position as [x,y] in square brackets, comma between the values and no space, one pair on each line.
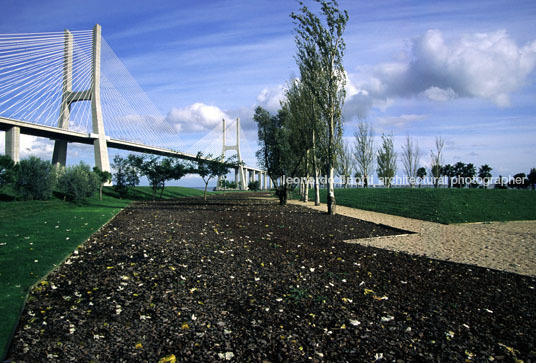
[462,70]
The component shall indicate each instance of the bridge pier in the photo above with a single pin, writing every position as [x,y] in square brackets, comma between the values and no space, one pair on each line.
[101,148]
[13,143]
[59,157]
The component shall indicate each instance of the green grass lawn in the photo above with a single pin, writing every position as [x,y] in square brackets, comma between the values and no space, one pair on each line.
[35,236]
[442,205]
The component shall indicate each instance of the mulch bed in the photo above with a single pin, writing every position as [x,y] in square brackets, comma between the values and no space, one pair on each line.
[249,280]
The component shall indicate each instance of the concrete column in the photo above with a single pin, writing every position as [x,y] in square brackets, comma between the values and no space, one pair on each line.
[265,186]
[101,148]
[59,156]
[236,180]
[13,143]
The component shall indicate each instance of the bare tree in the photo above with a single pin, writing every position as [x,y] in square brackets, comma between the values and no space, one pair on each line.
[411,157]
[345,163]
[386,160]
[437,160]
[364,151]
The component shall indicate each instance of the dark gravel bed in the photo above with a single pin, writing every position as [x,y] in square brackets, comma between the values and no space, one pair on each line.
[249,280]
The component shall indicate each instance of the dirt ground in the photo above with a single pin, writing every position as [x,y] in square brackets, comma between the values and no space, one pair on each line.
[243,280]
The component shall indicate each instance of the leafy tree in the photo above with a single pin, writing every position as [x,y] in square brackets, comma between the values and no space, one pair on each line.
[280,153]
[132,172]
[437,160]
[386,158]
[532,177]
[469,172]
[123,169]
[254,186]
[520,181]
[459,172]
[411,155]
[8,170]
[103,177]
[358,176]
[448,171]
[36,179]
[345,163]
[227,184]
[78,182]
[501,184]
[209,168]
[364,151]
[305,126]
[484,172]
[320,49]
[158,171]
[421,174]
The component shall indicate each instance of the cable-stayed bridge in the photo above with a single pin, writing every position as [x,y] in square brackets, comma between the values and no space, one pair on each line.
[70,87]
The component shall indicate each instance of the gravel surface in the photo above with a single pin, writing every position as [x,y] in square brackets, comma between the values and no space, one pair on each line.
[507,246]
[248,280]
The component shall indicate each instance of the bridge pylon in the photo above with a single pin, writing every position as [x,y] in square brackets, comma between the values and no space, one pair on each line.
[240,178]
[59,157]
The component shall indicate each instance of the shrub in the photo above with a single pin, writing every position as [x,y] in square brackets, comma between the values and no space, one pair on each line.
[8,170]
[36,179]
[78,182]
[226,184]
[254,185]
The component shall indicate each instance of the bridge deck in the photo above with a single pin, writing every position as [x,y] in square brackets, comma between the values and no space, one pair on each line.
[56,133]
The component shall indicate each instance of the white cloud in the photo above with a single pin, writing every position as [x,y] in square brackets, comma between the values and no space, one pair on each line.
[36,146]
[196,117]
[399,121]
[270,98]
[482,65]
[439,94]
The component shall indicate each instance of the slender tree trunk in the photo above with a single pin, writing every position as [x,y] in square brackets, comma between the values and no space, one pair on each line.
[315,170]
[306,191]
[282,193]
[162,190]
[154,191]
[205,193]
[100,192]
[305,182]
[331,190]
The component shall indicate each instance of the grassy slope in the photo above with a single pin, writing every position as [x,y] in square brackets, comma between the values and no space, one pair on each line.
[35,236]
[442,205]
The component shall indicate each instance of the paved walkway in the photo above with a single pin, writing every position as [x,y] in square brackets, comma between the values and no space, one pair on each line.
[508,246]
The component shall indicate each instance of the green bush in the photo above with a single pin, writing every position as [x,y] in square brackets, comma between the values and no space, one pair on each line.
[226,184]
[254,186]
[36,179]
[78,182]
[8,170]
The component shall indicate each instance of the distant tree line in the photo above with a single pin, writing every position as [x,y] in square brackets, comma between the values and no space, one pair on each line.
[458,175]
[37,179]
[158,170]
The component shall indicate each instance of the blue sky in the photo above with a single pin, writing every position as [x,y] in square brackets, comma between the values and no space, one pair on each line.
[462,70]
